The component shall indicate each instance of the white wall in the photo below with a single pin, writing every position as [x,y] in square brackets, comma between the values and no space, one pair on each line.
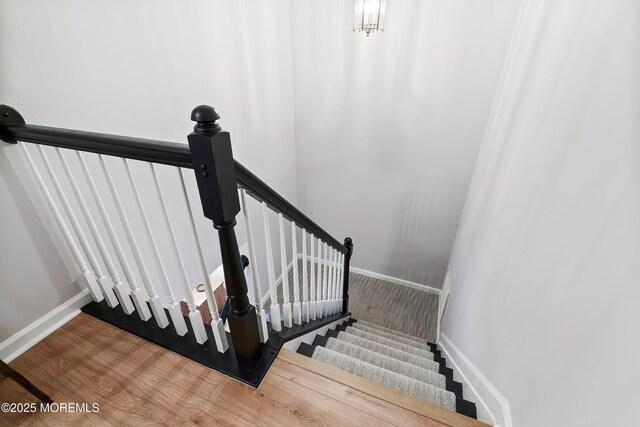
[138,69]
[388,127]
[37,280]
[546,263]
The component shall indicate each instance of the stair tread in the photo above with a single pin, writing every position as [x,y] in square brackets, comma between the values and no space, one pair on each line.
[388,335]
[387,378]
[427,376]
[391,343]
[389,351]
[392,331]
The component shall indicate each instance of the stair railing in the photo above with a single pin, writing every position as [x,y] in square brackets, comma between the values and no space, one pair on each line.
[320,289]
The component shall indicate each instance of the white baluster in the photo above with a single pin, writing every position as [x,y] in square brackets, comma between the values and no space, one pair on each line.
[174,309]
[195,318]
[137,294]
[217,325]
[305,278]
[332,273]
[325,282]
[335,281]
[119,287]
[75,225]
[253,264]
[276,322]
[328,278]
[341,282]
[86,279]
[286,305]
[312,290]
[107,289]
[332,281]
[154,299]
[297,307]
[320,299]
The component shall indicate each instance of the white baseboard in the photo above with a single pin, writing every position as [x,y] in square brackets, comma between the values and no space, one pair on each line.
[444,294]
[492,406]
[23,340]
[395,280]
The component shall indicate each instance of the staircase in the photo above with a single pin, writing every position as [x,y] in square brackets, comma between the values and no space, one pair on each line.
[393,359]
[310,295]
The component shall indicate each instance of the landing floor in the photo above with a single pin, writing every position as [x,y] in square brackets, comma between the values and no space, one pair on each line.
[136,383]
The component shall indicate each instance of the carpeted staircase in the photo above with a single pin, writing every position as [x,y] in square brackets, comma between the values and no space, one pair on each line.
[396,360]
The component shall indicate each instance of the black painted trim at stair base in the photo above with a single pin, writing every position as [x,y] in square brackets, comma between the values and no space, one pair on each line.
[331,334]
[463,407]
[454,387]
[350,322]
[341,328]
[306,349]
[205,354]
[320,341]
[278,339]
[467,408]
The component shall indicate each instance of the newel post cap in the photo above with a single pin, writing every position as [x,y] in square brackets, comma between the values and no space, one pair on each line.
[205,117]
[348,243]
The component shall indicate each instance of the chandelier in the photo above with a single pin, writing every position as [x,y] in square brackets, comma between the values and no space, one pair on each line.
[369,15]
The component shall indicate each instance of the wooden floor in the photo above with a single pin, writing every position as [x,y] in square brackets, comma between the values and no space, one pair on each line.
[138,383]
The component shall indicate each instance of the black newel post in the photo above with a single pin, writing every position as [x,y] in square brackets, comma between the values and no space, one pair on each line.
[348,243]
[216,176]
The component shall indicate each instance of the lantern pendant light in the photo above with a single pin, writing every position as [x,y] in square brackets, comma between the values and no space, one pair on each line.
[369,16]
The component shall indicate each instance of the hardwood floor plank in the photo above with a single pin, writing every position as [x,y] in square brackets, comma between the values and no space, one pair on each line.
[426,409]
[11,392]
[181,372]
[132,398]
[138,383]
[280,402]
[350,396]
[130,388]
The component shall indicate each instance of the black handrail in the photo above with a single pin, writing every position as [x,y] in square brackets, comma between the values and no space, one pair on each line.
[149,150]
[263,193]
[169,153]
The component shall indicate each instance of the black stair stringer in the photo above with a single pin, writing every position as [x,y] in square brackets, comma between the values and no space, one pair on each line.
[463,406]
[467,408]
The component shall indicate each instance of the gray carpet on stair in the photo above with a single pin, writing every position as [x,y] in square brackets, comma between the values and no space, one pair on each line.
[423,345]
[386,378]
[426,353]
[426,376]
[390,331]
[383,303]
[423,362]
[394,306]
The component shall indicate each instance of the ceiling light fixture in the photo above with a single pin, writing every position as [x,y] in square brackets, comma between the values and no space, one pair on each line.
[369,15]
